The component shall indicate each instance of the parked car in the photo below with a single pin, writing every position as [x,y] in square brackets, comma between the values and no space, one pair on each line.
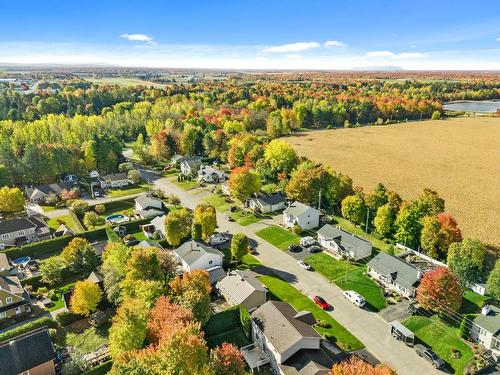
[356,298]
[321,302]
[295,248]
[304,265]
[307,241]
[314,249]
[218,239]
[429,355]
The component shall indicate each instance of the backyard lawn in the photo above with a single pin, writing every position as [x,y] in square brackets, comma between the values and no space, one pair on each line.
[472,302]
[335,271]
[68,220]
[225,327]
[441,338]
[283,291]
[241,217]
[137,189]
[218,202]
[350,227]
[48,208]
[58,302]
[87,341]
[186,185]
[248,262]
[279,237]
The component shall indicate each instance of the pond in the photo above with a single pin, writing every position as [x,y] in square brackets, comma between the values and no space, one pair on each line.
[484,106]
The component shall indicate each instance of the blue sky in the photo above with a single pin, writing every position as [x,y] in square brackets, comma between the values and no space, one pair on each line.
[254,34]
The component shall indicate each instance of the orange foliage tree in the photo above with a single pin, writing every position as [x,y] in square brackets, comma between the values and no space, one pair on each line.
[439,291]
[356,366]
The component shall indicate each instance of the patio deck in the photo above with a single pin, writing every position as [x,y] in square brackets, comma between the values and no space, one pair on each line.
[254,356]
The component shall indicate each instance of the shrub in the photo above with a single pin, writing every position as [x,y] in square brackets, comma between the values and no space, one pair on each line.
[79,207]
[42,322]
[64,318]
[464,329]
[42,290]
[246,322]
[323,324]
[101,369]
[100,209]
[297,229]
[91,219]
[436,115]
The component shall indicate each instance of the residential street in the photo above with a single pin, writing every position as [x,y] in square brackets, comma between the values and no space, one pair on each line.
[367,326]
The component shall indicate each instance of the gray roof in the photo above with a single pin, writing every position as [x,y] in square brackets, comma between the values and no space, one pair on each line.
[345,239]
[147,200]
[63,230]
[191,251]
[149,243]
[191,163]
[115,177]
[490,322]
[271,199]
[240,285]
[22,223]
[297,208]
[26,352]
[277,321]
[11,284]
[216,273]
[307,362]
[150,212]
[401,272]
[95,278]
[159,223]
[4,262]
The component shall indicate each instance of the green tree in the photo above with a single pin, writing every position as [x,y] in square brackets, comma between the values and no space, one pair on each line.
[91,219]
[79,255]
[85,298]
[306,183]
[79,207]
[11,199]
[114,266]
[493,284]
[243,183]
[51,270]
[430,237]
[281,156]
[466,259]
[178,224]
[436,115]
[429,203]
[384,220]
[206,216]
[143,265]
[134,175]
[196,232]
[408,225]
[239,246]
[354,209]
[376,198]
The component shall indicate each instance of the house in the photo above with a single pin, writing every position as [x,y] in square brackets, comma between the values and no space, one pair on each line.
[224,188]
[189,166]
[194,255]
[242,288]
[69,178]
[146,205]
[97,279]
[394,273]
[23,230]
[149,243]
[14,299]
[211,175]
[156,228]
[286,340]
[31,353]
[267,203]
[114,180]
[486,329]
[340,243]
[301,214]
[40,193]
[93,174]
[63,230]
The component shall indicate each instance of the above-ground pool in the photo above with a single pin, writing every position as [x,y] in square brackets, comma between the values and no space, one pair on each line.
[117,218]
[23,261]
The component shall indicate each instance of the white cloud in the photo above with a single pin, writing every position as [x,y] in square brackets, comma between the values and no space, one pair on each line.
[334,43]
[293,56]
[380,54]
[138,38]
[292,47]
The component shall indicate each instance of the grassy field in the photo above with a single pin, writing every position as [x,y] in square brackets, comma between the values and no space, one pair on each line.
[457,157]
[283,291]
[68,221]
[441,338]
[279,237]
[335,271]
[218,202]
[123,81]
[116,193]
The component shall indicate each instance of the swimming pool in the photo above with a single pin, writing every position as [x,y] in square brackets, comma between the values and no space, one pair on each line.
[117,218]
[22,261]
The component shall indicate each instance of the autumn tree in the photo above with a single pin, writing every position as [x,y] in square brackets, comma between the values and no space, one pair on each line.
[244,182]
[227,359]
[206,216]
[439,291]
[79,255]
[79,207]
[114,266]
[429,203]
[408,225]
[450,232]
[85,298]
[178,225]
[493,284]
[430,237]
[281,157]
[357,366]
[11,199]
[192,290]
[239,246]
[91,219]
[307,181]
[354,209]
[384,220]
[376,198]
[165,317]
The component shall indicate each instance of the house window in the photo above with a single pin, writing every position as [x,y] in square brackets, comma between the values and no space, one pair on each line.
[20,232]
[8,300]
[18,310]
[210,262]
[5,236]
[3,314]
[27,372]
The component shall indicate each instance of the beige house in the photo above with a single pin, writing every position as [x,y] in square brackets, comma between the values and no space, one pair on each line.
[22,230]
[14,300]
[242,288]
[31,353]
[114,180]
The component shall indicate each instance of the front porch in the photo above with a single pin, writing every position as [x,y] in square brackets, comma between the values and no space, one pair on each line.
[254,356]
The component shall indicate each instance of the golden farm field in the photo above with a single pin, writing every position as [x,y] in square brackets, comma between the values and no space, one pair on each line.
[460,158]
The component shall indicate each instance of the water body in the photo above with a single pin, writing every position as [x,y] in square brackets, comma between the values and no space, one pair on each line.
[484,106]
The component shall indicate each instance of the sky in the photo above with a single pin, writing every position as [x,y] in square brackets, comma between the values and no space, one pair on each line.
[234,34]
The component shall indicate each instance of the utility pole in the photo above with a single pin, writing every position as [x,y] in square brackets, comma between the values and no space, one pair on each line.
[367,217]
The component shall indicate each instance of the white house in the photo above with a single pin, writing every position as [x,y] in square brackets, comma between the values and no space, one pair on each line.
[114,180]
[23,230]
[146,205]
[94,173]
[286,340]
[242,288]
[340,243]
[301,214]
[156,227]
[190,166]
[267,203]
[69,178]
[486,329]
[394,273]
[211,175]
[193,255]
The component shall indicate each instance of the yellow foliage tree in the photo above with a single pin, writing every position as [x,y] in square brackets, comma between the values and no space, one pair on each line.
[86,296]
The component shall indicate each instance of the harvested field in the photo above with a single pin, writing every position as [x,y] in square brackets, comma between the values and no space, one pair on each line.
[460,158]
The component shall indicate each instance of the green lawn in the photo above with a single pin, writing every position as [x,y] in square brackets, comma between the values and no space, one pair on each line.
[137,189]
[218,202]
[441,338]
[335,271]
[279,237]
[59,302]
[283,291]
[248,262]
[241,217]
[350,227]
[472,302]
[48,208]
[225,327]
[68,220]
[186,185]
[89,340]
[244,218]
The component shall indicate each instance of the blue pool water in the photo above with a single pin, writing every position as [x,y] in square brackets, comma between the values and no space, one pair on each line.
[22,260]
[118,218]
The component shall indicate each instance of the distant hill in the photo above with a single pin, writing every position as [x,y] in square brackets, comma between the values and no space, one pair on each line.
[381,68]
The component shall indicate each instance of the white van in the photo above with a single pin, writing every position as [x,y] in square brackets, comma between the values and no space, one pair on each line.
[356,298]
[307,241]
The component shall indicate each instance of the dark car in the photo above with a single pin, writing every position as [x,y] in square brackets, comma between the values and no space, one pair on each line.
[429,355]
[295,248]
[321,302]
[314,249]
[132,243]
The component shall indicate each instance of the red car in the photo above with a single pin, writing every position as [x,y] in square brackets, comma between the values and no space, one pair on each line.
[321,302]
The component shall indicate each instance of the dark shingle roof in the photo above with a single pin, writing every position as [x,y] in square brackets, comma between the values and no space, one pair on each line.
[26,352]
[347,240]
[402,272]
[272,199]
[23,223]
[115,177]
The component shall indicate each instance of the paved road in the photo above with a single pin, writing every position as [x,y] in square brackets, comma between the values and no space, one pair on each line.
[367,326]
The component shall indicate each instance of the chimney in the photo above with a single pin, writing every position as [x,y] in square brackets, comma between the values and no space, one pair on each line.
[485,310]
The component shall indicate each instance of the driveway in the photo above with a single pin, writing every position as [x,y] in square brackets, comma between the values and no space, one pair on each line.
[368,327]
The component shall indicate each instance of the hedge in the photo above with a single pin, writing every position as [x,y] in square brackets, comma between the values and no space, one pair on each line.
[35,282]
[134,226]
[246,322]
[101,369]
[45,321]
